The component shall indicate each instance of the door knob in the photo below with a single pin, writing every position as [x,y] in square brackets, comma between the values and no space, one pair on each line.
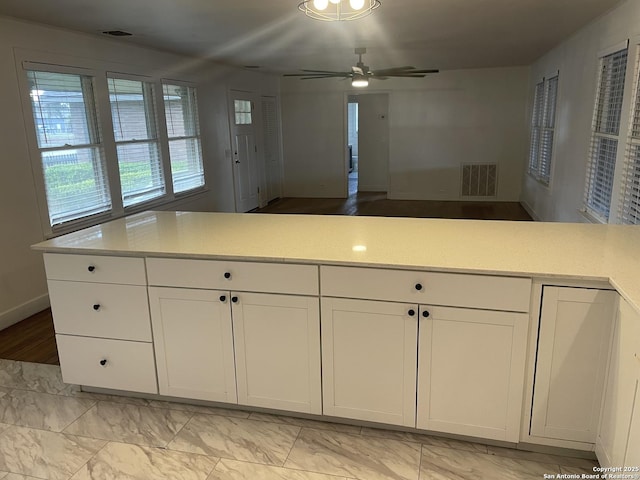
[411,312]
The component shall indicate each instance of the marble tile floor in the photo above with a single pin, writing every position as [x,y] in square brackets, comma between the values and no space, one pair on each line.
[49,430]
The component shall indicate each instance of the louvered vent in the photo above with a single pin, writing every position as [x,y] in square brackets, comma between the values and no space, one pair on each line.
[479,180]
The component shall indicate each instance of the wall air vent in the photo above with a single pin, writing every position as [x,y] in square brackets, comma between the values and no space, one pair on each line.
[479,180]
[117,33]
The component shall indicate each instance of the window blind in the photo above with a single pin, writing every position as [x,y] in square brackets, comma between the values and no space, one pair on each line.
[604,138]
[134,128]
[548,127]
[185,153]
[536,124]
[542,129]
[70,144]
[630,204]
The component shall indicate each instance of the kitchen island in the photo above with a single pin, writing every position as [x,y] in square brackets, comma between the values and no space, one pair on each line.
[353,317]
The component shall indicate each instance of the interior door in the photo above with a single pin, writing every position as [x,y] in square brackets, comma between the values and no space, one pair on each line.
[271,147]
[373,142]
[244,150]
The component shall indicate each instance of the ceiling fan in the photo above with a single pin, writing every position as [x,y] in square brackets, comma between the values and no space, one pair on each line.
[361,73]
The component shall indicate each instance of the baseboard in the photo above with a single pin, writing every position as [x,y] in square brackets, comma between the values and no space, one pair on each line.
[23,311]
[530,211]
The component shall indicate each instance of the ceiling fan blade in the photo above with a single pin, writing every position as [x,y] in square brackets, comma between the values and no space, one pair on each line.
[310,74]
[313,77]
[405,75]
[433,70]
[323,71]
[384,71]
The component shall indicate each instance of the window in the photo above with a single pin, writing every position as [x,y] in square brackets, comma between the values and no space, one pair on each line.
[70,145]
[184,137]
[605,132]
[630,203]
[135,132]
[88,175]
[243,112]
[542,129]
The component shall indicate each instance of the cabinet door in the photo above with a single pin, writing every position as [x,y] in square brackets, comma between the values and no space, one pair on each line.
[573,343]
[194,343]
[620,390]
[632,457]
[277,347]
[471,372]
[369,360]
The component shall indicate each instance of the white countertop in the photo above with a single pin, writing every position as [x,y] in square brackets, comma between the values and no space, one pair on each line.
[533,249]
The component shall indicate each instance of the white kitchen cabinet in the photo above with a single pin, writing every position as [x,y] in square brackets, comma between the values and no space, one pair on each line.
[101,317]
[573,344]
[277,351]
[619,419]
[193,341]
[369,360]
[238,344]
[632,456]
[471,371]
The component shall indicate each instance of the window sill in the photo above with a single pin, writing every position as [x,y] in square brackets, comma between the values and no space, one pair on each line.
[163,204]
[589,218]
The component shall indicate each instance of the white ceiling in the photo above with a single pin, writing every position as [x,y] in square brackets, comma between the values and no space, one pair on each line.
[273,34]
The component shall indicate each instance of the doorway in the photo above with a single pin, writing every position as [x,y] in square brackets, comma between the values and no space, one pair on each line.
[244,150]
[352,141]
[368,142]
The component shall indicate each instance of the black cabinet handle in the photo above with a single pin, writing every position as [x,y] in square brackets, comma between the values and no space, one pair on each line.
[227,275]
[418,286]
[411,312]
[91,268]
[96,307]
[103,362]
[223,298]
[234,299]
[425,314]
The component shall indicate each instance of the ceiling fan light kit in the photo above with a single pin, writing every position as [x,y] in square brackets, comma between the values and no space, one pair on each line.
[338,10]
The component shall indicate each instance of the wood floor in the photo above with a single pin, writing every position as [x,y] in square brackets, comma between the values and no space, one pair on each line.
[377,205]
[33,340]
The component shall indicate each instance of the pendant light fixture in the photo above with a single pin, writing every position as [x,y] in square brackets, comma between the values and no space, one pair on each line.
[338,10]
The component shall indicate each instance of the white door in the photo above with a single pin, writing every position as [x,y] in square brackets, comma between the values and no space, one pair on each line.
[277,346]
[244,150]
[471,371]
[373,142]
[571,317]
[271,147]
[369,360]
[193,343]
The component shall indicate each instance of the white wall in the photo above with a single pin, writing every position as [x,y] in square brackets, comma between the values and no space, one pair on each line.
[436,124]
[23,288]
[373,160]
[577,61]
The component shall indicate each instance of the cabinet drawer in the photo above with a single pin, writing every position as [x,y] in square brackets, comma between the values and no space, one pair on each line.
[127,365]
[95,268]
[433,288]
[100,310]
[243,276]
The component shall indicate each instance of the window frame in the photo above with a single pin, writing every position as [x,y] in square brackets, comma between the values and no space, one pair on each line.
[631,166]
[42,61]
[198,134]
[591,213]
[543,123]
[150,98]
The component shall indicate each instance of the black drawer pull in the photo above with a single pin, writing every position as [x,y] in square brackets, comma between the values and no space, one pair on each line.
[103,362]
[418,286]
[91,268]
[234,299]
[227,275]
[425,314]
[411,312]
[223,298]
[96,307]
